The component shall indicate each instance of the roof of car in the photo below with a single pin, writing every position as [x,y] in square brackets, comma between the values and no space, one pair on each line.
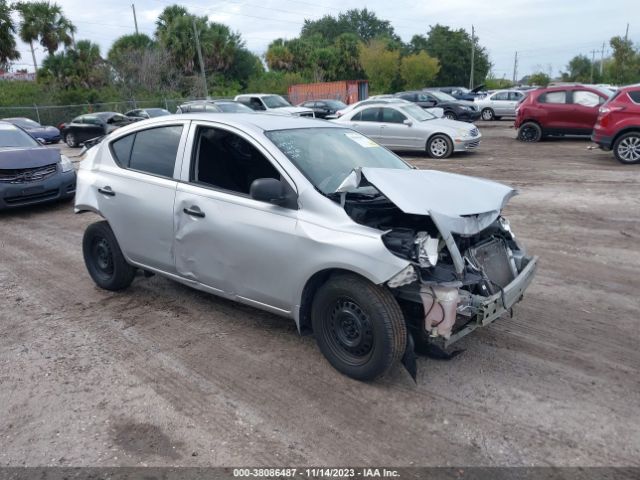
[262,121]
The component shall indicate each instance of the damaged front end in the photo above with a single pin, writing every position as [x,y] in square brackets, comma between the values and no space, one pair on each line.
[466,266]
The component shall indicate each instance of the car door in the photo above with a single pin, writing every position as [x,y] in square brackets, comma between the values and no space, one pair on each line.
[394,133]
[558,113]
[585,107]
[367,122]
[226,240]
[137,194]
[86,127]
[321,109]
[514,99]
[499,101]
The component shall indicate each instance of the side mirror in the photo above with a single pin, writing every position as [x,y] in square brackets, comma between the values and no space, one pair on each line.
[273,191]
[407,122]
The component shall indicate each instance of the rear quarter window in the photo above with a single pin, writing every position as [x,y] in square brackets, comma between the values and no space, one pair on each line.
[635,96]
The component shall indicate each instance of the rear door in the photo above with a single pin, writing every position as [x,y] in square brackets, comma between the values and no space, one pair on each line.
[137,194]
[514,99]
[499,103]
[91,127]
[585,107]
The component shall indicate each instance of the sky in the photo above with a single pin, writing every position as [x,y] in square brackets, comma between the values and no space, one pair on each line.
[545,33]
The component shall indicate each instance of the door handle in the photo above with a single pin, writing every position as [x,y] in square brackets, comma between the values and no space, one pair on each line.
[107,191]
[194,212]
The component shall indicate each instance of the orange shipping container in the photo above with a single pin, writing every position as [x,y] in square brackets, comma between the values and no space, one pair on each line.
[347,91]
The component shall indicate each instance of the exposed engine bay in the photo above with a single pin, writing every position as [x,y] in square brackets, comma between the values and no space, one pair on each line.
[455,281]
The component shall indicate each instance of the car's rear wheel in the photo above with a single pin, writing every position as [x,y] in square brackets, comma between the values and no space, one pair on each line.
[70,140]
[487,114]
[529,132]
[450,115]
[104,259]
[439,146]
[358,326]
[627,148]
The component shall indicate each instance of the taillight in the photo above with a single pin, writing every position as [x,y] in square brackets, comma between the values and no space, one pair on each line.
[606,109]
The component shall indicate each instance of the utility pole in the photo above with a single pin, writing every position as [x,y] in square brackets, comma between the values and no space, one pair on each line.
[473,55]
[626,35]
[204,76]
[593,61]
[515,69]
[135,19]
[602,60]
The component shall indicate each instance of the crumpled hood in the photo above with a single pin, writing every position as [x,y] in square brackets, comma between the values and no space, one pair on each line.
[456,203]
[14,158]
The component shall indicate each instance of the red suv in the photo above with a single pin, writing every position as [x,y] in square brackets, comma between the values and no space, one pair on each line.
[559,110]
[618,125]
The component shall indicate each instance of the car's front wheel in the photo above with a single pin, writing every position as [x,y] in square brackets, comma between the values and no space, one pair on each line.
[529,132]
[627,148]
[487,114]
[450,115]
[439,146]
[70,140]
[358,326]
[104,259]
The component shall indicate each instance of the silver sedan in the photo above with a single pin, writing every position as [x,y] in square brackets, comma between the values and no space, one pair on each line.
[306,219]
[501,103]
[405,126]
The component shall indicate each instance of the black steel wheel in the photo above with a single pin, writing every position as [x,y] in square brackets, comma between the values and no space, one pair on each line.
[104,259]
[529,132]
[450,115]
[70,140]
[358,326]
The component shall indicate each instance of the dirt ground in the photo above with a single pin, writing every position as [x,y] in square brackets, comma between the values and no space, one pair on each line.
[164,375]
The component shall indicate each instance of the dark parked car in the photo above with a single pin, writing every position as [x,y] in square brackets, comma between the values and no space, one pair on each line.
[220,105]
[324,108]
[31,173]
[453,109]
[618,125]
[462,93]
[145,113]
[46,133]
[561,110]
[92,125]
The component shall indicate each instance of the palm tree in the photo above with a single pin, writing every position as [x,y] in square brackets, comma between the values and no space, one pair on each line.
[8,49]
[43,21]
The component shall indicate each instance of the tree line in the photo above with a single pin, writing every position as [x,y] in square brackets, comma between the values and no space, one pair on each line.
[355,44]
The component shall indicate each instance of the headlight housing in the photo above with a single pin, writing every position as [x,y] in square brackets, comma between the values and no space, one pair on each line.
[65,163]
[426,250]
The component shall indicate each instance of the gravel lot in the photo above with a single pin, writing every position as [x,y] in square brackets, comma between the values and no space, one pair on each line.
[164,375]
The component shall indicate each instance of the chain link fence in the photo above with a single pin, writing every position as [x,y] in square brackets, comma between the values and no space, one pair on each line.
[57,114]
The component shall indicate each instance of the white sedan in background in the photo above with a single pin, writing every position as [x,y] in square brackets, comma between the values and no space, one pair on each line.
[499,103]
[406,126]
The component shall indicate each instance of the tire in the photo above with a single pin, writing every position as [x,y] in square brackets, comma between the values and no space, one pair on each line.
[626,148]
[439,146]
[488,114]
[103,258]
[70,140]
[450,115]
[358,326]
[529,132]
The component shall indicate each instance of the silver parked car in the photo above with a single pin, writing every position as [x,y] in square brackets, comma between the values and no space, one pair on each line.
[309,220]
[501,103]
[406,126]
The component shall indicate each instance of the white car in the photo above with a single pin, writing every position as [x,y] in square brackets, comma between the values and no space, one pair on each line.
[406,126]
[266,102]
[499,103]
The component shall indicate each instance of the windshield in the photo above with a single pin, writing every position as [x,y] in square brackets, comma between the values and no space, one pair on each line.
[417,113]
[157,112]
[11,136]
[327,155]
[275,101]
[445,97]
[233,107]
[24,122]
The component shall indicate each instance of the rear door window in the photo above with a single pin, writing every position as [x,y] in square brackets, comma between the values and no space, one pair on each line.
[554,97]
[500,96]
[635,96]
[370,115]
[586,98]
